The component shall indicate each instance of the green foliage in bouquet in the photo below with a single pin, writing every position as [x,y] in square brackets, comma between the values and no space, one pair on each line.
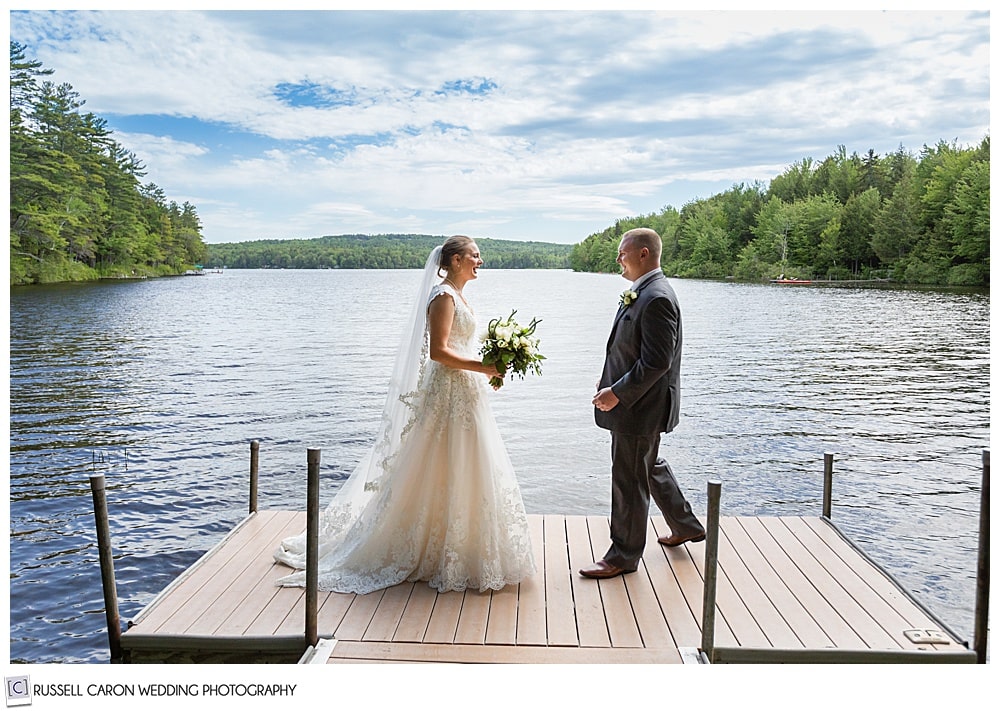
[512,348]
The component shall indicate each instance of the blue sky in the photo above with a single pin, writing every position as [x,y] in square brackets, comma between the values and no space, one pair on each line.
[544,125]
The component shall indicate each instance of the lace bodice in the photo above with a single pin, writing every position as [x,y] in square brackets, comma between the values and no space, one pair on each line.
[463,328]
[446,391]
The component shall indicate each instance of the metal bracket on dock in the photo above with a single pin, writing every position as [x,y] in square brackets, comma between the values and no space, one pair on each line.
[931,636]
[692,655]
[321,653]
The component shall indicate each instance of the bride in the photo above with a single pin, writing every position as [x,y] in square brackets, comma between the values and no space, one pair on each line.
[436,498]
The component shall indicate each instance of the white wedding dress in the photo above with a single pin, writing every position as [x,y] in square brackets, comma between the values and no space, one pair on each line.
[445,506]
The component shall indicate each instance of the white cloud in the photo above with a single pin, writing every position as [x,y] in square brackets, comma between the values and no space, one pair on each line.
[588,117]
[160,149]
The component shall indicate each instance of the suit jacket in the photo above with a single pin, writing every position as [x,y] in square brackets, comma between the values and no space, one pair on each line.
[643,363]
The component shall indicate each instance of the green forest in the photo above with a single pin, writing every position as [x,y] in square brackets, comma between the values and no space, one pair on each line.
[378,252]
[78,210]
[921,219]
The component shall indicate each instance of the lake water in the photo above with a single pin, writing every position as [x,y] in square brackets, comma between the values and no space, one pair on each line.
[161,384]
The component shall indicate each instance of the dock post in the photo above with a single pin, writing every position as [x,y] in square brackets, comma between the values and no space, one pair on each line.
[254,458]
[312,549]
[711,569]
[107,566]
[827,484]
[983,568]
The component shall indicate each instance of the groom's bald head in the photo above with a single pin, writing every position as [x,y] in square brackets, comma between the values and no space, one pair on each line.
[645,237]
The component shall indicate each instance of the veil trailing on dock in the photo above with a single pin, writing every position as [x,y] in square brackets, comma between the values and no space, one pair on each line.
[369,476]
[410,360]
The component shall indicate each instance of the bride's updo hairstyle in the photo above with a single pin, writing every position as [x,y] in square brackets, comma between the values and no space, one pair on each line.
[456,244]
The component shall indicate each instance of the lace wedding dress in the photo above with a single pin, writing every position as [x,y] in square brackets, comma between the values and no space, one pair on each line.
[445,506]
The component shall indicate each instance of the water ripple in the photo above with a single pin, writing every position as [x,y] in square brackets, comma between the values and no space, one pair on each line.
[134,381]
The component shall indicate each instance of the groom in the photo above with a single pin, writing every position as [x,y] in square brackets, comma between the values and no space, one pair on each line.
[637,399]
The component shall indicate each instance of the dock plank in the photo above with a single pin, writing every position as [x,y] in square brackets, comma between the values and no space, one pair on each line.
[560,616]
[817,624]
[387,615]
[788,588]
[174,597]
[274,615]
[347,652]
[683,626]
[235,595]
[248,594]
[591,624]
[730,605]
[622,625]
[911,614]
[332,611]
[444,618]
[274,601]
[531,623]
[908,615]
[417,615]
[757,601]
[295,621]
[826,571]
[204,586]
[359,615]
[683,561]
[474,618]
[650,621]
[501,628]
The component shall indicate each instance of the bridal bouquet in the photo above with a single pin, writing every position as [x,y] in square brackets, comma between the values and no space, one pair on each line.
[511,347]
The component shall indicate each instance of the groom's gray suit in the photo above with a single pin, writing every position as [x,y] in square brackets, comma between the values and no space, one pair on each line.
[643,369]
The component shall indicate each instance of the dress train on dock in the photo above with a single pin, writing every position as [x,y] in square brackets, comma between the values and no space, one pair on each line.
[439,504]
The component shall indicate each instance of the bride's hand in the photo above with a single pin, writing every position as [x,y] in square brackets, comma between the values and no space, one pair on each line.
[490,371]
[494,375]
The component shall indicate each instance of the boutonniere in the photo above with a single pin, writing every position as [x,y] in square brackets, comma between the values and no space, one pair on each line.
[627,297]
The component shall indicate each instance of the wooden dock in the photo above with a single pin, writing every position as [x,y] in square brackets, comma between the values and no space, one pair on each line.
[788,589]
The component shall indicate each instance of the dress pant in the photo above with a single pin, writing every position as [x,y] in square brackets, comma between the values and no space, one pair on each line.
[638,473]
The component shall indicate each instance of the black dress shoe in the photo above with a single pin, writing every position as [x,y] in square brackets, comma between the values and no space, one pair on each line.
[602,569]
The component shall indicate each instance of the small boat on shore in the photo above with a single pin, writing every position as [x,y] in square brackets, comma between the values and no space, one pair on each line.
[791,281]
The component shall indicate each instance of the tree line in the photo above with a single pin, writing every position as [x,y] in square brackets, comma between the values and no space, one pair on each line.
[391,251]
[921,219]
[78,210]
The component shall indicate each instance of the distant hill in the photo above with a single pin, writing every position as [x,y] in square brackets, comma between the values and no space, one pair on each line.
[392,251]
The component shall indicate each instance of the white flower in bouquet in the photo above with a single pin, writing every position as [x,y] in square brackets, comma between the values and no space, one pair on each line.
[510,347]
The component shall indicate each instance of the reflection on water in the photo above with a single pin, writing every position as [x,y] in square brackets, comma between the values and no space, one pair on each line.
[182,373]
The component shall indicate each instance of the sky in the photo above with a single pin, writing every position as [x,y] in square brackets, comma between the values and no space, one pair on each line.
[514,124]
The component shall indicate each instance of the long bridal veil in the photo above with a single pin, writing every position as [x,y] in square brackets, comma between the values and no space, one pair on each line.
[369,476]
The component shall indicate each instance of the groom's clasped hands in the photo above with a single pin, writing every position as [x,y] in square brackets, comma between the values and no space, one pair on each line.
[605,399]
